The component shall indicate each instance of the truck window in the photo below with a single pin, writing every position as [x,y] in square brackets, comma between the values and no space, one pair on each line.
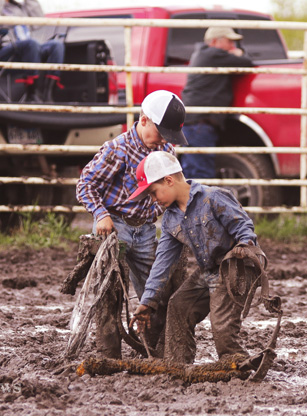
[260,45]
[181,42]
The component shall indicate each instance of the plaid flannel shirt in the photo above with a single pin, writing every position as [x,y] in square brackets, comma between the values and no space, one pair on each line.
[109,179]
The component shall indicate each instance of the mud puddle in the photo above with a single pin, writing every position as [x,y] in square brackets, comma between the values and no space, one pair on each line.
[34,332]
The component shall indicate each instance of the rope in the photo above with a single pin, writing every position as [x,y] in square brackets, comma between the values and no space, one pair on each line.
[141,334]
[233,274]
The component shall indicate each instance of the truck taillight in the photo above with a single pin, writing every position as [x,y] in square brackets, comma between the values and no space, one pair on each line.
[113,87]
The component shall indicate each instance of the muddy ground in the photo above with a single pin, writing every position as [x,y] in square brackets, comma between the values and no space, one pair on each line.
[34,319]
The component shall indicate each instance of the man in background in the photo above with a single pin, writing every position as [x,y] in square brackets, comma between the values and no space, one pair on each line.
[202,130]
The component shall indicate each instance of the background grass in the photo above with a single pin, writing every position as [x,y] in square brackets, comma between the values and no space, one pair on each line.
[287,228]
[52,230]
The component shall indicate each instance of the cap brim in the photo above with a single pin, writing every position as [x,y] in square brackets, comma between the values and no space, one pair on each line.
[140,193]
[234,37]
[172,136]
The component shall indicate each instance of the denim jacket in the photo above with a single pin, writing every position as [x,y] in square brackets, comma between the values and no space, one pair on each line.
[213,223]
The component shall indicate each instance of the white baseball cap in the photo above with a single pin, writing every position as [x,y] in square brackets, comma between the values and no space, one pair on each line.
[167,111]
[221,32]
[153,167]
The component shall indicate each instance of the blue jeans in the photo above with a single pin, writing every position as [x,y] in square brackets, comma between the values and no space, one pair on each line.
[22,51]
[140,253]
[199,166]
[30,50]
[52,52]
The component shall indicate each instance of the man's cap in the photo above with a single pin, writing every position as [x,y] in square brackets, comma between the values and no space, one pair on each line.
[221,32]
[167,111]
[153,167]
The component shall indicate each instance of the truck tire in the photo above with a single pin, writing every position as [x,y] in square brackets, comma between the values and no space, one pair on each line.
[249,166]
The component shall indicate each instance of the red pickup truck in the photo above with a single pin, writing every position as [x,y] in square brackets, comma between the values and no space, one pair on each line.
[173,47]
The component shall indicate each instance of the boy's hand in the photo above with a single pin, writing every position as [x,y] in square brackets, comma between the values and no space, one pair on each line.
[142,317]
[240,251]
[105,226]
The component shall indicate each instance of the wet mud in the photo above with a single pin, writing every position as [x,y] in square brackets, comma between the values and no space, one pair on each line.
[34,319]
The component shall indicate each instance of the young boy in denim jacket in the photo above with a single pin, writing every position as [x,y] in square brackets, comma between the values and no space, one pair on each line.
[211,222]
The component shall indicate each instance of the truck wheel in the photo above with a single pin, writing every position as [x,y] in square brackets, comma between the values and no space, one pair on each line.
[249,166]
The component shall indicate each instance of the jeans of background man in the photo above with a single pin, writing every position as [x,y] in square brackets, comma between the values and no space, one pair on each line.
[140,255]
[22,51]
[196,165]
[52,51]
[29,50]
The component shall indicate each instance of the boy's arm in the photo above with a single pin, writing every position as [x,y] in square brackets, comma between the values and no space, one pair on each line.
[168,252]
[232,216]
[99,171]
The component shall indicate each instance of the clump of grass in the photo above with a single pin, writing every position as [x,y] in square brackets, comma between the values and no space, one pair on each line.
[285,228]
[52,230]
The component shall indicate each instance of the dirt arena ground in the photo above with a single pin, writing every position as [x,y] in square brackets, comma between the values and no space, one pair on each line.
[34,319]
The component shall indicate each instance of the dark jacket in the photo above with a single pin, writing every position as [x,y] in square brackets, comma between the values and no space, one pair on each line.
[211,89]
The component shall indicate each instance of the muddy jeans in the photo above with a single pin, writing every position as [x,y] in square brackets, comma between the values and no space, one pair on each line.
[200,294]
[140,255]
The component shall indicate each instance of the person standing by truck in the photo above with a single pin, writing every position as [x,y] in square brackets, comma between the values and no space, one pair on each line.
[51,51]
[104,188]
[202,130]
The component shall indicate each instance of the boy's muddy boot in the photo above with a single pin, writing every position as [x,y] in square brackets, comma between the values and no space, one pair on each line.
[108,312]
[179,273]
[108,338]
[183,313]
[88,247]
